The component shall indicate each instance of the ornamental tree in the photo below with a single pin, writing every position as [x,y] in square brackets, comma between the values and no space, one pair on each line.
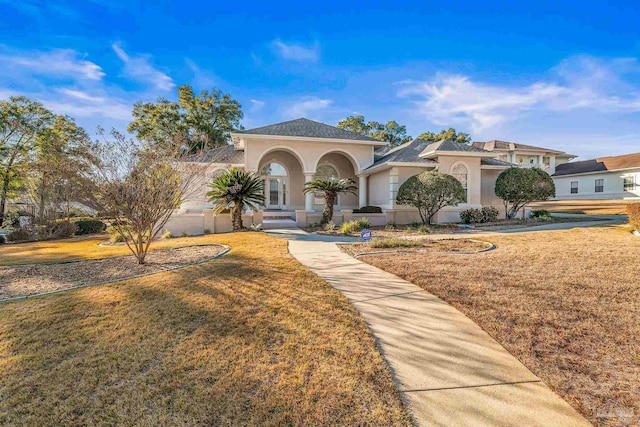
[517,187]
[429,192]
[237,191]
[330,188]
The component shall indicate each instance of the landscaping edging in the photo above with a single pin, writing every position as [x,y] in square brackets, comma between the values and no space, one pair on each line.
[225,250]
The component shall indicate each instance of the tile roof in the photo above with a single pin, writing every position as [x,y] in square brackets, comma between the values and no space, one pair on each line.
[307,128]
[601,164]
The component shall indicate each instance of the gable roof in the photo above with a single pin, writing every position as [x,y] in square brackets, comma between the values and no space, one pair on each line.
[601,164]
[496,162]
[409,152]
[307,129]
[496,144]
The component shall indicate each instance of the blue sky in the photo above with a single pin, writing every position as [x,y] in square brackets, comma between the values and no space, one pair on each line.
[559,74]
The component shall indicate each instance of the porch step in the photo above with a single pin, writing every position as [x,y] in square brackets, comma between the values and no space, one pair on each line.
[278,215]
[278,223]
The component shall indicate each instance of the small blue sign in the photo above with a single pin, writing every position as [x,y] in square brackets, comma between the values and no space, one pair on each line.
[366,235]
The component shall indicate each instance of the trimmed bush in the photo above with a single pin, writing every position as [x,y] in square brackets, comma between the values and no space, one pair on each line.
[354,226]
[537,213]
[3,239]
[634,215]
[471,216]
[90,226]
[59,230]
[489,214]
[330,226]
[368,209]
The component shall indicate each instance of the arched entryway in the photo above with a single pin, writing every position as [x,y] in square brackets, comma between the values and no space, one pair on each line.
[336,165]
[283,179]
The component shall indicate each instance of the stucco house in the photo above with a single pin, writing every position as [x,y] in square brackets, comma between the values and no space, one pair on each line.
[613,177]
[288,154]
[527,156]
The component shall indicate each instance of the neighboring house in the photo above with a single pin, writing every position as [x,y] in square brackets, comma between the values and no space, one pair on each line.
[286,155]
[526,155]
[614,177]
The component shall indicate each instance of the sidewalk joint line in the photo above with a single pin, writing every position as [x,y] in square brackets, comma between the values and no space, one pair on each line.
[390,295]
[472,386]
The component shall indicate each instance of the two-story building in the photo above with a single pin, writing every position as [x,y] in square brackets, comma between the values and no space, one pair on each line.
[528,156]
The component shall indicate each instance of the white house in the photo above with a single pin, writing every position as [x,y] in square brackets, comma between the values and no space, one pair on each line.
[614,177]
[528,156]
[288,154]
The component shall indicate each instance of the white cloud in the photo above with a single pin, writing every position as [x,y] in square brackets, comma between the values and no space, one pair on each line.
[57,63]
[577,83]
[140,69]
[306,106]
[297,52]
[256,104]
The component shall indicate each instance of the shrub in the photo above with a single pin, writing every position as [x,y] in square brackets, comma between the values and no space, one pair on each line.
[167,235]
[471,216]
[3,239]
[58,230]
[21,234]
[368,209]
[536,213]
[184,234]
[518,187]
[429,192]
[330,226]
[423,228]
[394,243]
[543,218]
[489,214]
[354,226]
[90,226]
[390,226]
[634,215]
[207,231]
[115,236]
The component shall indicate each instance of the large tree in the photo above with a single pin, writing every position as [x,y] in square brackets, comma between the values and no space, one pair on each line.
[517,187]
[429,192]
[450,133]
[59,166]
[391,132]
[21,122]
[200,122]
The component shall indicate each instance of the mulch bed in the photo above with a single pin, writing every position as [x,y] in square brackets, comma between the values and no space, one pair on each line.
[35,279]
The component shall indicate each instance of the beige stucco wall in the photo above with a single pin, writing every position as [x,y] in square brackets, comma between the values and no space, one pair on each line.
[197,199]
[378,189]
[474,177]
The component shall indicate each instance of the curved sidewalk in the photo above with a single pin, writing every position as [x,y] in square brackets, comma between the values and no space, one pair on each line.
[448,370]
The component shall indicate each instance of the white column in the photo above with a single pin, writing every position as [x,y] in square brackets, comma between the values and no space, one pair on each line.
[513,158]
[362,187]
[393,187]
[552,165]
[541,161]
[308,198]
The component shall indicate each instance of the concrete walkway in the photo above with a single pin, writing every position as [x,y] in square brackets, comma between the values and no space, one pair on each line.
[448,370]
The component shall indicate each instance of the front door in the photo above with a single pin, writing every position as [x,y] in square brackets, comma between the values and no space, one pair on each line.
[276,189]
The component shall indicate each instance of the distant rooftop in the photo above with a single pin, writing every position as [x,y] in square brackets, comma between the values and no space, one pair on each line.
[601,164]
[307,128]
[496,144]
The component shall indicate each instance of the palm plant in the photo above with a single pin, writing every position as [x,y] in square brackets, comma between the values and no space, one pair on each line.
[236,190]
[330,188]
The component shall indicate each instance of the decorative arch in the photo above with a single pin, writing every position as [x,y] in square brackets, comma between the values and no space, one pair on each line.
[352,160]
[289,150]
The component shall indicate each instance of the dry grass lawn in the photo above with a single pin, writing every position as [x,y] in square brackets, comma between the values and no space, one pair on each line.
[416,246]
[82,247]
[588,207]
[566,303]
[252,338]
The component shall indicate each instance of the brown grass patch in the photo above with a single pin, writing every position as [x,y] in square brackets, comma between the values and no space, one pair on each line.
[82,247]
[588,207]
[564,302]
[418,246]
[252,338]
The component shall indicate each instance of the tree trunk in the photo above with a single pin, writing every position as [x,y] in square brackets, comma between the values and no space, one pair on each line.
[327,213]
[140,249]
[236,217]
[3,200]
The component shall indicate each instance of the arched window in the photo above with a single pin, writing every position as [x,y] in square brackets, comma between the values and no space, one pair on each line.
[327,172]
[273,169]
[461,173]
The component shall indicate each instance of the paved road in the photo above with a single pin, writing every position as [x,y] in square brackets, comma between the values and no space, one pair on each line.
[449,371]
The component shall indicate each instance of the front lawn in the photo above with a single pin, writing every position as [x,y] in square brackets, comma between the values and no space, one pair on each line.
[566,303]
[587,207]
[252,338]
